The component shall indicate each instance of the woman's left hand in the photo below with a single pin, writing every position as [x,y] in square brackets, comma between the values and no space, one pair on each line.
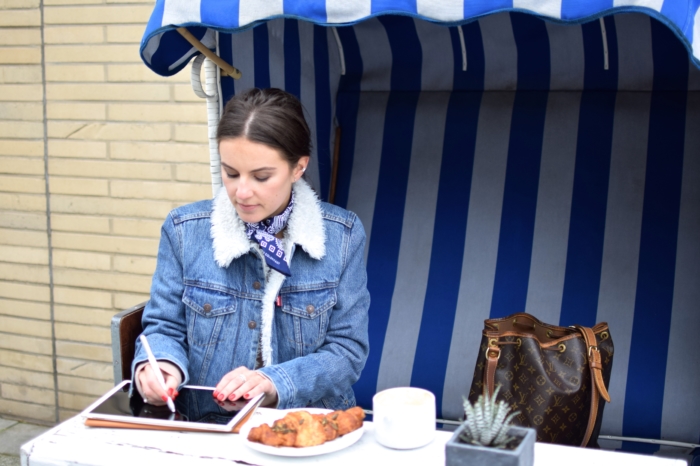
[243,382]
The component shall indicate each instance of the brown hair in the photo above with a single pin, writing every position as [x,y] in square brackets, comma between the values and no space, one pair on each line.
[269,116]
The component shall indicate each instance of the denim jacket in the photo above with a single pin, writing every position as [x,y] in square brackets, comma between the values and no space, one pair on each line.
[214,301]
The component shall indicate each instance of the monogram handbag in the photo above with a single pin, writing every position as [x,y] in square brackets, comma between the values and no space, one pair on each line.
[556,377]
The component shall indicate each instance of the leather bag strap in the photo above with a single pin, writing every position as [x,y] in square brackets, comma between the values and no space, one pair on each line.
[597,383]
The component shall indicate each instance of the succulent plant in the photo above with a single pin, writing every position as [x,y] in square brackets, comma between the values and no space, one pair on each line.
[487,421]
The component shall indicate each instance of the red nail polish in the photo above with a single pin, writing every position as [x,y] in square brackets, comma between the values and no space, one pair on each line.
[176,394]
[246,396]
[215,394]
[221,397]
[232,397]
[170,392]
[164,398]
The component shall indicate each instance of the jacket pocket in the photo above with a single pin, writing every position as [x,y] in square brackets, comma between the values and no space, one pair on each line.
[305,316]
[207,310]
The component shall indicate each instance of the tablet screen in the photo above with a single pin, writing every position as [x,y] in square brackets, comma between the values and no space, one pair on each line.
[118,403]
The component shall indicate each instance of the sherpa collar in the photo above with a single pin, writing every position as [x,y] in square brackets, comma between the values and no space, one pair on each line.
[304,227]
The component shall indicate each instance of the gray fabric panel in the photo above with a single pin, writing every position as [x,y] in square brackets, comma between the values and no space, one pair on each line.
[376,55]
[408,298]
[693,78]
[334,75]
[636,68]
[435,43]
[623,223]
[275,35]
[685,318]
[242,46]
[551,235]
[566,52]
[480,247]
[308,97]
[500,53]
[367,158]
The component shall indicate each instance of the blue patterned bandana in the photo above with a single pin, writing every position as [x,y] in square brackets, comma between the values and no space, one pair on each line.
[264,233]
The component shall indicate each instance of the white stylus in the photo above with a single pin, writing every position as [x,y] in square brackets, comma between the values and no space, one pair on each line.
[154,365]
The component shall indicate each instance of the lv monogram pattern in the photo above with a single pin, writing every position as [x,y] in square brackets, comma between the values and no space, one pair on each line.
[550,387]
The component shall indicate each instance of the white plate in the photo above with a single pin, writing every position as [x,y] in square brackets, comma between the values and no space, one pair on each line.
[328,447]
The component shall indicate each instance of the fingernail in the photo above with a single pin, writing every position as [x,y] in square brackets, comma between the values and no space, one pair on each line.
[164,398]
[232,397]
[170,392]
[175,394]
[246,396]
[221,397]
[216,393]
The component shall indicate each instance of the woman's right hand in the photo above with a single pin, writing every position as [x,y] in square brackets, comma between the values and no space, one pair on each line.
[151,389]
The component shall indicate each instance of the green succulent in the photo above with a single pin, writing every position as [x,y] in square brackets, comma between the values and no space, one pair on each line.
[487,421]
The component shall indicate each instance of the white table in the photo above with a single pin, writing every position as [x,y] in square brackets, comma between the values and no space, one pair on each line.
[72,443]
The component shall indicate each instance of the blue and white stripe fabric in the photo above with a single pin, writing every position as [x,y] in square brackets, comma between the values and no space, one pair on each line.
[166,53]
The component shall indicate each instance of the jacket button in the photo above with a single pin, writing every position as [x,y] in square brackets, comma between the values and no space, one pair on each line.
[256,285]
[252,324]
[207,308]
[310,309]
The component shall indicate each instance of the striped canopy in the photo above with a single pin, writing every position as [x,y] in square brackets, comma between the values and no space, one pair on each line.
[166,52]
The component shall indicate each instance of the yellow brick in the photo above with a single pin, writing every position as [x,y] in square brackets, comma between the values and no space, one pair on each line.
[21,377]
[108,206]
[21,165]
[75,402]
[21,129]
[26,148]
[26,343]
[186,192]
[24,291]
[20,74]
[98,15]
[23,237]
[21,4]
[72,2]
[27,202]
[80,368]
[22,184]
[20,55]
[134,264]
[30,394]
[27,327]
[159,113]
[92,53]
[123,301]
[82,333]
[24,273]
[81,297]
[184,93]
[198,173]
[77,149]
[102,280]
[79,223]
[20,36]
[87,351]
[83,386]
[26,309]
[72,73]
[74,35]
[85,316]
[138,72]
[96,168]
[75,111]
[21,92]
[21,111]
[120,244]
[32,362]
[81,260]
[125,33]
[18,18]
[24,255]
[163,152]
[28,221]
[29,411]
[109,131]
[128,1]
[136,92]
[132,227]
[65,414]
[81,186]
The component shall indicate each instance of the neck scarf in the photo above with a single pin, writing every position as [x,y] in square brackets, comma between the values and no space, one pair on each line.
[264,234]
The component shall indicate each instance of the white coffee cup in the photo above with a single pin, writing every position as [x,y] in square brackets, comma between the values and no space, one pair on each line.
[404,417]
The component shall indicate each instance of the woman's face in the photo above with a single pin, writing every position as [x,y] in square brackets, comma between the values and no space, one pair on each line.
[257,179]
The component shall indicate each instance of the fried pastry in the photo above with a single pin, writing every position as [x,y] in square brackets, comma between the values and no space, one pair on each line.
[301,429]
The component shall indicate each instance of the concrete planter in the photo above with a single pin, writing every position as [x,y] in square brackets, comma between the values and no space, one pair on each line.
[465,454]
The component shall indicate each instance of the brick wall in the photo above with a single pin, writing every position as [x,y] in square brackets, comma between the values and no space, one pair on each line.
[119,147]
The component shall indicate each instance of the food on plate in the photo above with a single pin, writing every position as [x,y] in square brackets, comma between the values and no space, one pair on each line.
[302,429]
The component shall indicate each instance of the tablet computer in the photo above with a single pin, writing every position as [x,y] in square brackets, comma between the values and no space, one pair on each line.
[117,409]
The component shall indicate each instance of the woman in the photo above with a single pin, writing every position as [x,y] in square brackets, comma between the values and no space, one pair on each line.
[263,288]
